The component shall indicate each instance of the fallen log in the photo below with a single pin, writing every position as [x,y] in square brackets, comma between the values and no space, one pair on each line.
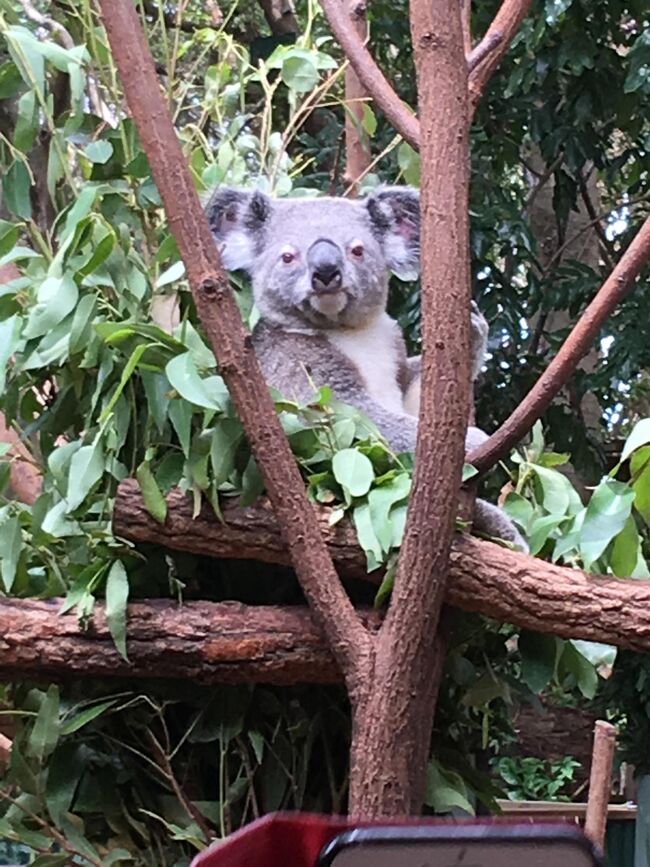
[205,642]
[484,577]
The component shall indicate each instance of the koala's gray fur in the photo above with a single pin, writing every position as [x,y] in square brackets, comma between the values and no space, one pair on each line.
[320,270]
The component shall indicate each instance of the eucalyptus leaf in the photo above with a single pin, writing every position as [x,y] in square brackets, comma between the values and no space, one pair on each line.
[353,471]
[117,595]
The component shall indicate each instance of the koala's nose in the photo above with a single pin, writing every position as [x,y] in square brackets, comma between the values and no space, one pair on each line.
[325,262]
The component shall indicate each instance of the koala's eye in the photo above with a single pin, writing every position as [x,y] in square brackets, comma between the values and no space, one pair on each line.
[357,251]
[288,257]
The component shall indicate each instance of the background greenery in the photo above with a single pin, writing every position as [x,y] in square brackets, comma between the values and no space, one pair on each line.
[145,773]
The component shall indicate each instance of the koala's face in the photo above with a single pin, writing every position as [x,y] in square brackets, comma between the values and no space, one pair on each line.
[318,263]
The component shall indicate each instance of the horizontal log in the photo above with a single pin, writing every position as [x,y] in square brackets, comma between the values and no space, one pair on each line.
[206,642]
[484,577]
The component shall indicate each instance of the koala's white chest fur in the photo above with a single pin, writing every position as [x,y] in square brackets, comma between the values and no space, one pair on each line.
[374,350]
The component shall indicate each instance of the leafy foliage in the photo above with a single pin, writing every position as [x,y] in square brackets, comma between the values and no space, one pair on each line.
[530,779]
[104,374]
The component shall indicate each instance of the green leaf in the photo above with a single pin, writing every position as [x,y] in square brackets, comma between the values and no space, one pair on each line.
[625,550]
[16,185]
[9,340]
[409,162]
[82,718]
[65,769]
[300,73]
[608,510]
[252,483]
[50,860]
[99,151]
[117,594]
[8,236]
[180,415]
[583,671]
[47,729]
[226,438]
[353,471]
[640,436]
[174,273]
[558,492]
[127,372]
[381,500]
[538,658]
[154,501]
[11,545]
[56,297]
[445,790]
[366,536]
[27,124]
[641,488]
[10,80]
[86,469]
[182,374]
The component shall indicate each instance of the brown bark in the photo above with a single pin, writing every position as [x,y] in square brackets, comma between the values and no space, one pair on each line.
[487,55]
[230,342]
[370,75]
[356,147]
[280,16]
[483,577]
[392,723]
[600,782]
[205,642]
[575,347]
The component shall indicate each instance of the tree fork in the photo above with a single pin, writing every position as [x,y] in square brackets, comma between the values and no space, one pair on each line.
[393,717]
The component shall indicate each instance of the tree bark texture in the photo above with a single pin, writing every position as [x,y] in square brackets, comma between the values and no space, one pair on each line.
[230,341]
[204,642]
[483,577]
[393,717]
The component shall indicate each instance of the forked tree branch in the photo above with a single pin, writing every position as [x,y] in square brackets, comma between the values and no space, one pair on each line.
[574,348]
[487,55]
[402,693]
[369,73]
[232,346]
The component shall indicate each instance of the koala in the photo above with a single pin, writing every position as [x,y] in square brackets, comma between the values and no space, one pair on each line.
[320,269]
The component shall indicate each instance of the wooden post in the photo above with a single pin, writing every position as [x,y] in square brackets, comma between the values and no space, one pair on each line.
[600,781]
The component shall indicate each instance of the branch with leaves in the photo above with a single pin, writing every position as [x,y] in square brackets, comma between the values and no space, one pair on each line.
[574,348]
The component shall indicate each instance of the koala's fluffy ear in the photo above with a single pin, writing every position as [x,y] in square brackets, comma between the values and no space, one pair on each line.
[395,217]
[238,220]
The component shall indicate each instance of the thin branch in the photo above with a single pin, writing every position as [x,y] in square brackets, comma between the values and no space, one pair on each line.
[486,46]
[370,75]
[48,22]
[574,348]
[466,22]
[605,244]
[356,145]
[487,55]
[218,311]
[596,219]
